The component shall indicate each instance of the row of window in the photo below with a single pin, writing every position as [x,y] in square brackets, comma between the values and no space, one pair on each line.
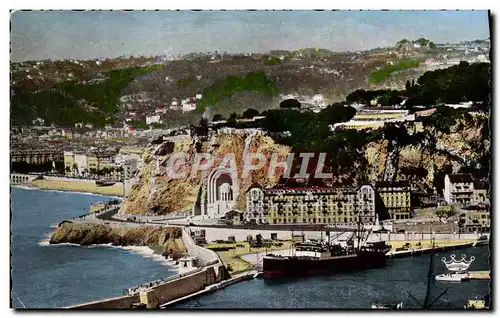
[404,216]
[315,220]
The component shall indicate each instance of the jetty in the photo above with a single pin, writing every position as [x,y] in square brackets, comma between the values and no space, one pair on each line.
[481,275]
[428,250]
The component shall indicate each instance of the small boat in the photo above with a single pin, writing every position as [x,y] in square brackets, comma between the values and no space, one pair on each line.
[454,277]
[387,306]
[258,275]
[104,183]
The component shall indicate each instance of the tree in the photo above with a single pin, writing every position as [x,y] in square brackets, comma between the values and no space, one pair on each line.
[217,117]
[408,85]
[402,42]
[250,113]
[290,103]
[446,212]
[231,121]
[432,45]
[202,128]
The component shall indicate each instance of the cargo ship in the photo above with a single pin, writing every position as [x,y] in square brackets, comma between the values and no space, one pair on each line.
[322,258]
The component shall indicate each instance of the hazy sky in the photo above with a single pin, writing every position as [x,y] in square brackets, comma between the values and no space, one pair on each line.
[83,35]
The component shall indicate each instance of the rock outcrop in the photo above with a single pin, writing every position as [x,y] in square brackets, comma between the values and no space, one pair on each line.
[89,233]
[155,192]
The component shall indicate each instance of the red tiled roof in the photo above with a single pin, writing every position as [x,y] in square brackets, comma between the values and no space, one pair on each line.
[299,189]
[254,185]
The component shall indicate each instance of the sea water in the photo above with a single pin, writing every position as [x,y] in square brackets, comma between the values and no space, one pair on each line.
[51,276]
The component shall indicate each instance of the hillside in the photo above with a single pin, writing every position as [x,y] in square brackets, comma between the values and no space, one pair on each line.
[57,90]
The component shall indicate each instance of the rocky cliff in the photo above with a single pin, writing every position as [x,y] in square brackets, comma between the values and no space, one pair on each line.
[463,145]
[155,192]
[89,233]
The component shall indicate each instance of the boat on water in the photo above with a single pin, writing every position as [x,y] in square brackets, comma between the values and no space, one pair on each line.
[454,277]
[326,257]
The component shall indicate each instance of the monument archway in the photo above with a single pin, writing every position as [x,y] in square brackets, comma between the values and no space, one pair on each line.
[222,192]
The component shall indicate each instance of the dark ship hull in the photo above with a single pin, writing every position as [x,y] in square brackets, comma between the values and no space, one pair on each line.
[289,266]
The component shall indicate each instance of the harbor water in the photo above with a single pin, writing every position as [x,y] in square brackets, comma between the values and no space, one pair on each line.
[390,284]
[50,276]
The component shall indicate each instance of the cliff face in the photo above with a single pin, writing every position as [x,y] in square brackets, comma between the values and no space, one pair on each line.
[454,148]
[155,192]
[87,234]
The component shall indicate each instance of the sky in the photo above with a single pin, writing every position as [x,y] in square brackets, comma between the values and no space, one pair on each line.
[37,35]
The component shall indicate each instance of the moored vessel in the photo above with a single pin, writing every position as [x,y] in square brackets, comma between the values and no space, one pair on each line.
[324,257]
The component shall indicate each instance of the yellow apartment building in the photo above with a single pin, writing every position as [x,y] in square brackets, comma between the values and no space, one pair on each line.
[396,198]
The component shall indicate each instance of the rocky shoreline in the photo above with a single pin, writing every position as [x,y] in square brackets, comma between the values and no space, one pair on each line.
[88,234]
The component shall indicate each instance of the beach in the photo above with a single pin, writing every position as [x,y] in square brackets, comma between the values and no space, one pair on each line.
[78,185]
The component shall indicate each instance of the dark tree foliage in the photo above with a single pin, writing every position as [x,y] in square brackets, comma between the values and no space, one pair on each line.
[231,121]
[250,113]
[202,128]
[217,117]
[384,97]
[459,83]
[290,103]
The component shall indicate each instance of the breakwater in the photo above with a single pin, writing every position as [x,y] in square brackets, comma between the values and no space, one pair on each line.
[162,293]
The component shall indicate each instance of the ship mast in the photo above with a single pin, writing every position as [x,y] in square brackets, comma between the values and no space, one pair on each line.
[426,304]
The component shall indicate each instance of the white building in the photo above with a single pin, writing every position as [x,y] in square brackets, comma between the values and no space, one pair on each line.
[81,163]
[458,188]
[152,119]
[319,100]
[38,121]
[198,96]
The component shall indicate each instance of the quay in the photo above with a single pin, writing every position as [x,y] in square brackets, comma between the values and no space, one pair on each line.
[428,250]
[480,275]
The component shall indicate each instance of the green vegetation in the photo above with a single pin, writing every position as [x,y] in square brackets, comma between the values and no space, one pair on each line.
[250,113]
[158,126]
[69,102]
[272,61]
[290,103]
[459,83]
[423,42]
[183,82]
[139,124]
[446,211]
[253,81]
[383,73]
